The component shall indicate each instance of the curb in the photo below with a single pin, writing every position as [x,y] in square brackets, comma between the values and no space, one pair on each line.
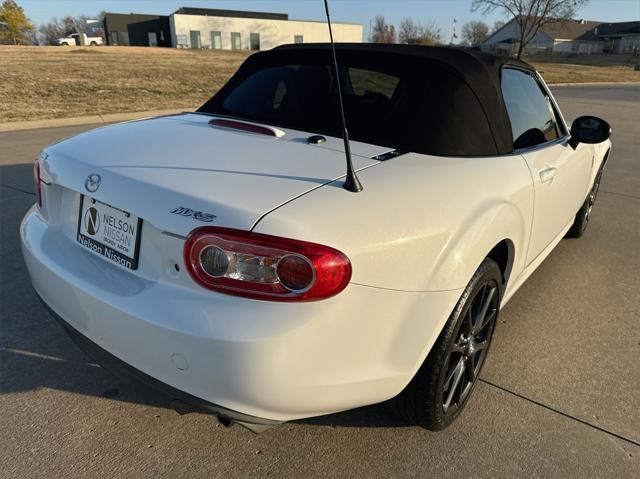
[86,120]
[596,83]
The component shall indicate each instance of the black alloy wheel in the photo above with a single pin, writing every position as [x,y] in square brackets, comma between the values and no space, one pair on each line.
[468,352]
[442,386]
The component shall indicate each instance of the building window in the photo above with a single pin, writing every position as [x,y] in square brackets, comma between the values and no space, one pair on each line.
[298,39]
[236,41]
[255,41]
[124,38]
[195,38]
[182,41]
[216,40]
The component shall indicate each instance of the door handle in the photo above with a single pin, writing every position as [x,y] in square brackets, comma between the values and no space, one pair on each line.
[547,175]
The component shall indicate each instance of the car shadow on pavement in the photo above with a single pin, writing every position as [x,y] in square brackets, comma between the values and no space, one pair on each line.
[377,415]
[44,357]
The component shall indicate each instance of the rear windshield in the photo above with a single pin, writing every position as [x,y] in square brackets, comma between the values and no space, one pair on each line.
[398,102]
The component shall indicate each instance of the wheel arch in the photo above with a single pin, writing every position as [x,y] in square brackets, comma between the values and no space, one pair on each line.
[503,254]
[500,232]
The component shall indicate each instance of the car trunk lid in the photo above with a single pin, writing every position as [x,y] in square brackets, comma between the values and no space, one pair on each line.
[183,164]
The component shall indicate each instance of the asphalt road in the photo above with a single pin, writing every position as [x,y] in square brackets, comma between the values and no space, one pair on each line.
[559,397]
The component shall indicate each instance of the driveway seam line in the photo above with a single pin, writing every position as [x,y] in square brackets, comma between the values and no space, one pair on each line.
[557,411]
[17,189]
[620,194]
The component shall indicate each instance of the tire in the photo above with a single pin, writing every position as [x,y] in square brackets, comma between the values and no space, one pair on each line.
[431,400]
[581,220]
[93,44]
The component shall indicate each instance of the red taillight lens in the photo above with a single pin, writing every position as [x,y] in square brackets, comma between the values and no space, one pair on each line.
[37,181]
[264,267]
[295,272]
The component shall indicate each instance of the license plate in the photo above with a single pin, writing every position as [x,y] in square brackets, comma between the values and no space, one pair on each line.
[109,231]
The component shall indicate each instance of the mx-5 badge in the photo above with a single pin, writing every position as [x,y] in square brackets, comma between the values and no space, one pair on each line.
[196,215]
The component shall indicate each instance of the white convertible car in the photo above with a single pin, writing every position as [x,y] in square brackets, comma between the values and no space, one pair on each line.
[217,256]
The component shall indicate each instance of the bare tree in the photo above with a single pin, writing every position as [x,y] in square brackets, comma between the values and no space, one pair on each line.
[530,15]
[51,31]
[390,37]
[408,31]
[381,31]
[497,25]
[430,34]
[378,28]
[475,32]
[101,30]
[81,23]
[421,34]
[69,25]
[59,28]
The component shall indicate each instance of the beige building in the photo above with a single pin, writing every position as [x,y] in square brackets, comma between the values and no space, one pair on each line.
[568,37]
[238,30]
[563,36]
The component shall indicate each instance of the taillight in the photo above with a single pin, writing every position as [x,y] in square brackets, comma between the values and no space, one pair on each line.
[37,181]
[264,267]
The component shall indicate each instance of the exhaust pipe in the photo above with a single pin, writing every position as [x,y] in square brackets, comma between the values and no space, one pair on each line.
[182,408]
[225,421]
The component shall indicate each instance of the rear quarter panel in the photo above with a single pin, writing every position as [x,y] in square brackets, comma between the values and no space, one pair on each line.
[422,223]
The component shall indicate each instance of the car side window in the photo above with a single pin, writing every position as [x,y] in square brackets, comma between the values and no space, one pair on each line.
[531,114]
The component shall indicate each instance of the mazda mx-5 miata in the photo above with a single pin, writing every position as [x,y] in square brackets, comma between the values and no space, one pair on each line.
[217,256]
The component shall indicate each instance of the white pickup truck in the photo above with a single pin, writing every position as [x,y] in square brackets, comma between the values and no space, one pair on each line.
[80,39]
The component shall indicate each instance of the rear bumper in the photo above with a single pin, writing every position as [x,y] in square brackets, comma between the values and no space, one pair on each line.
[118,367]
[278,361]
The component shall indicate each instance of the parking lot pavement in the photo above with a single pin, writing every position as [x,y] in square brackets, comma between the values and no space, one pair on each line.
[560,395]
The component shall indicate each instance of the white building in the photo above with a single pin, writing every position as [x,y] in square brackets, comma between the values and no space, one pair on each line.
[562,36]
[239,30]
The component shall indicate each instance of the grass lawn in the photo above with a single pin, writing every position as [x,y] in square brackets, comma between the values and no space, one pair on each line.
[587,68]
[58,82]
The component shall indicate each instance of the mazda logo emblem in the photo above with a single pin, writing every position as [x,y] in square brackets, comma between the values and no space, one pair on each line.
[92,183]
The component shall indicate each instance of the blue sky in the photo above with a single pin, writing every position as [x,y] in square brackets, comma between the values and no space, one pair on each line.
[357,11]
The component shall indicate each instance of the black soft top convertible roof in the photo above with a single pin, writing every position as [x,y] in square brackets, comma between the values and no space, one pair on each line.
[480,72]
[462,59]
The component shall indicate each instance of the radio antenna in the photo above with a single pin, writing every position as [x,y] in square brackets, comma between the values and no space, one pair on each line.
[351,183]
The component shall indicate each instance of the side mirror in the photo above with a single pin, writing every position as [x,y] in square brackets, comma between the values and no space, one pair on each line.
[589,129]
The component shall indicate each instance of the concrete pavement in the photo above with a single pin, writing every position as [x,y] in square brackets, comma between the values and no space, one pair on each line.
[560,395]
